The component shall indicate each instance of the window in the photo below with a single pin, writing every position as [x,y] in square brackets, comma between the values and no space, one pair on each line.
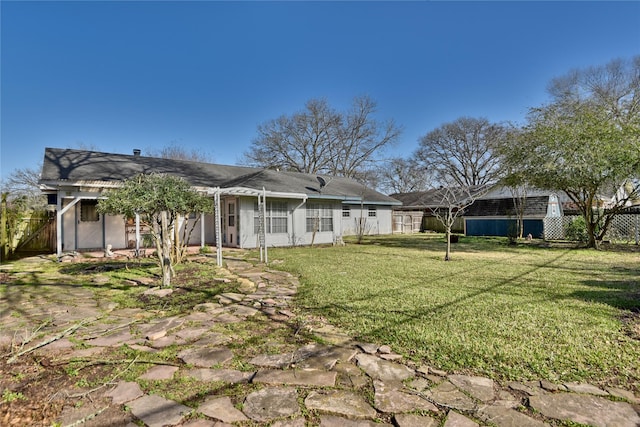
[319,217]
[276,217]
[372,211]
[346,211]
[89,210]
[231,212]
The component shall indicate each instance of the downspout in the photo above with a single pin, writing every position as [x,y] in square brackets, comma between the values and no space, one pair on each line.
[293,217]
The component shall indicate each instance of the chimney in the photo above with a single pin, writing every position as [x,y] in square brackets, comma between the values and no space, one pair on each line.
[136,151]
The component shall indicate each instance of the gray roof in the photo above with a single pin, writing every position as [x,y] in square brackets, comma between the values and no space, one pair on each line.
[433,198]
[76,166]
[535,206]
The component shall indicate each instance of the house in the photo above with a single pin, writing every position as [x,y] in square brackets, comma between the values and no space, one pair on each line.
[418,209]
[496,212]
[295,208]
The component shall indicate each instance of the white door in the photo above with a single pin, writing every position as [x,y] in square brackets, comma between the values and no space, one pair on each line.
[89,225]
[232,228]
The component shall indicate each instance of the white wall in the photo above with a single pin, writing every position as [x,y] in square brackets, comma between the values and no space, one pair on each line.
[379,224]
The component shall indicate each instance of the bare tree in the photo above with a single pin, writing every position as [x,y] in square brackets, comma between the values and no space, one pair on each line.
[319,139]
[23,184]
[400,175]
[452,202]
[462,150]
[360,137]
[178,152]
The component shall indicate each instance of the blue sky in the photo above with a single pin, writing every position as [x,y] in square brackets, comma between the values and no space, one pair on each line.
[122,75]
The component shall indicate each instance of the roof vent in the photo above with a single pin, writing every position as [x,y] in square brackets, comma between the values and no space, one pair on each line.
[136,151]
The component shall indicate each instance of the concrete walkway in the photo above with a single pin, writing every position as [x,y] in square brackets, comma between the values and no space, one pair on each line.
[339,383]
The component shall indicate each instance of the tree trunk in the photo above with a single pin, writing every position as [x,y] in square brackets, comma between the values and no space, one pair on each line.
[447,256]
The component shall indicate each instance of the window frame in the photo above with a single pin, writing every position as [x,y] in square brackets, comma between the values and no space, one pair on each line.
[89,210]
[276,217]
[323,214]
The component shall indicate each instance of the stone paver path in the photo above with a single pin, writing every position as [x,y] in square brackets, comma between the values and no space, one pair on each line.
[342,383]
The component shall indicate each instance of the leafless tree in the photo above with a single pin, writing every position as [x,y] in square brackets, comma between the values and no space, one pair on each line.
[462,150]
[177,152]
[399,175]
[360,137]
[452,201]
[320,139]
[22,184]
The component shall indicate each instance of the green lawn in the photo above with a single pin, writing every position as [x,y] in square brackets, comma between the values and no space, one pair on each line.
[507,312]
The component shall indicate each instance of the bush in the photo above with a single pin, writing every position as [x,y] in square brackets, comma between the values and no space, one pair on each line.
[577,230]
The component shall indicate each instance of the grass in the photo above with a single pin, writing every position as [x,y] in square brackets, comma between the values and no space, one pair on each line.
[512,313]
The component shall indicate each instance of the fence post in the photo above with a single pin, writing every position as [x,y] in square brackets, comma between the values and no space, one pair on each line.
[637,228]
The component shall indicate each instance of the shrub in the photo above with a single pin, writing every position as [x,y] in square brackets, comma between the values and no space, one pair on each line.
[577,230]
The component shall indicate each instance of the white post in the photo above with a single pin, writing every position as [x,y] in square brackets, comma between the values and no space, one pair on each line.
[218,227]
[202,229]
[264,225]
[260,228]
[137,235]
[59,224]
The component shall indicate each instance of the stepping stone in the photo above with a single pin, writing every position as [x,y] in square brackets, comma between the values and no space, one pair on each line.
[389,399]
[271,402]
[549,386]
[479,387]
[167,341]
[244,311]
[124,392]
[212,339]
[161,372]
[350,376]
[158,292]
[446,394]
[312,378]
[114,340]
[316,356]
[296,422]
[333,421]
[340,402]
[586,409]
[454,419]
[160,328]
[382,369]
[206,357]
[506,417]
[232,296]
[411,420]
[585,389]
[625,394]
[368,348]
[224,375]
[200,423]
[274,360]
[191,334]
[156,411]
[221,409]
[531,391]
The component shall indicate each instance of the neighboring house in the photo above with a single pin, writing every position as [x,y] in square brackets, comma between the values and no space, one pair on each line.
[417,211]
[496,213]
[300,209]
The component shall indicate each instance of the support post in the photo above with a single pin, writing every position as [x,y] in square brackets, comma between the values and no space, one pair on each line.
[218,220]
